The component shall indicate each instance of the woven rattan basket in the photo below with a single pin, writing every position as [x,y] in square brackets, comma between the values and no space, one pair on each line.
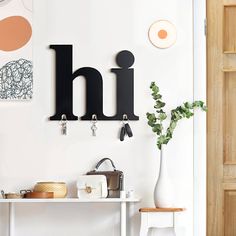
[58,188]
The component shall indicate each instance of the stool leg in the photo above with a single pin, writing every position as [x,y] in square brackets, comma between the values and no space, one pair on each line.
[174,233]
[144,224]
[143,232]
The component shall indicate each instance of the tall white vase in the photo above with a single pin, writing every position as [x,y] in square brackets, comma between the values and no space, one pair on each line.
[163,193]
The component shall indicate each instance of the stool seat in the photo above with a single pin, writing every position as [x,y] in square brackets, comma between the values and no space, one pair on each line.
[161,209]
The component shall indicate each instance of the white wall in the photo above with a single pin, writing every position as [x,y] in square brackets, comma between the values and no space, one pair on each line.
[32,148]
[200,192]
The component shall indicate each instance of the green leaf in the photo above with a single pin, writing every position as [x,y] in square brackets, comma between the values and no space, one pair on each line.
[151,117]
[173,124]
[159,104]
[157,128]
[150,123]
[162,116]
[154,88]
[188,105]
[162,138]
[159,145]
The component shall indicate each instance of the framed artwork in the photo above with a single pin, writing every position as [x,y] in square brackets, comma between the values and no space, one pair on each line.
[162,34]
[16,68]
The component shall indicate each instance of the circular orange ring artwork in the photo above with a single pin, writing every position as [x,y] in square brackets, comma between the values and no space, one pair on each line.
[162,34]
[15,32]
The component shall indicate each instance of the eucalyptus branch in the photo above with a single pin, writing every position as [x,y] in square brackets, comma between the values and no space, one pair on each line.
[155,120]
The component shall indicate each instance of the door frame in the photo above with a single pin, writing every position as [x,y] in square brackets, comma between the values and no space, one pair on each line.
[200,121]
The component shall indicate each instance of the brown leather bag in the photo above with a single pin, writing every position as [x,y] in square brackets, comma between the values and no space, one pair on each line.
[114,178]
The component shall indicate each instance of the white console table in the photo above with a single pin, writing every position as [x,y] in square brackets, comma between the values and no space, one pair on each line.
[122,201]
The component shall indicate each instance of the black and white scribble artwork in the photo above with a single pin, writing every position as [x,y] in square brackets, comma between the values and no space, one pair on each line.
[16,80]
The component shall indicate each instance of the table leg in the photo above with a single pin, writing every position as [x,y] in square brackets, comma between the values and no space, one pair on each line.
[11,218]
[130,214]
[123,219]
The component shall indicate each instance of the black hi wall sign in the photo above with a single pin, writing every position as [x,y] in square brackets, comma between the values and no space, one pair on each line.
[94,86]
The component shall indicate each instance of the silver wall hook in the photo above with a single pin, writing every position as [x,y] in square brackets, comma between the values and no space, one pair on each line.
[125,119]
[94,126]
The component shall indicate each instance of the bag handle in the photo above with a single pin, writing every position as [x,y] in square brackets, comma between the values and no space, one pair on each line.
[103,160]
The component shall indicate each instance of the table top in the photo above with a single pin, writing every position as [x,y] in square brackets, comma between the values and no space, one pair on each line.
[161,209]
[71,200]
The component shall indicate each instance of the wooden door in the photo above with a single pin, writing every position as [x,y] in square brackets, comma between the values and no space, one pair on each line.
[221,131]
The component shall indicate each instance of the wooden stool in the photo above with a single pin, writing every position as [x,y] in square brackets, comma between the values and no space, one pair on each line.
[157,218]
